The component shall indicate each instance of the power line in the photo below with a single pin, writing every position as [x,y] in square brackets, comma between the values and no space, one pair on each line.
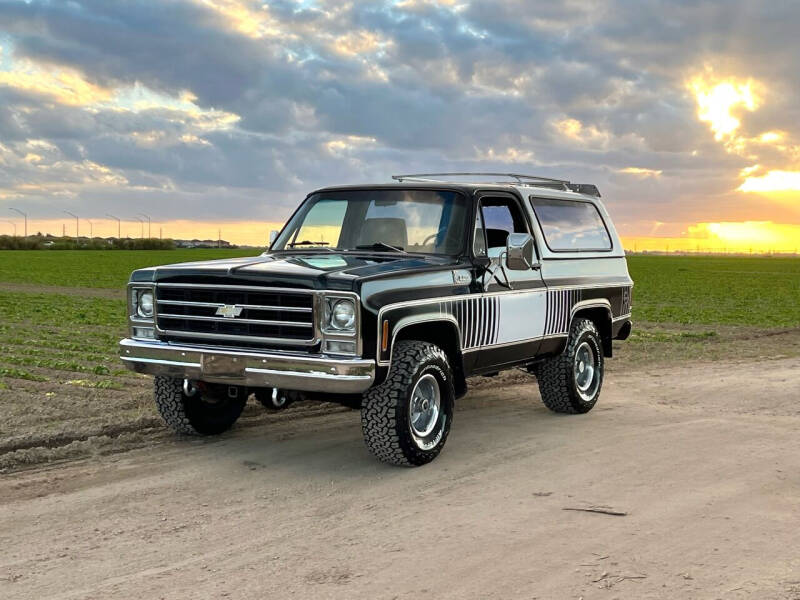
[77,233]
[119,225]
[25,216]
[148,224]
[141,221]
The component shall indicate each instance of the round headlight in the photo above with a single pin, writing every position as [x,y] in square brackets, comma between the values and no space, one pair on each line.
[145,304]
[343,315]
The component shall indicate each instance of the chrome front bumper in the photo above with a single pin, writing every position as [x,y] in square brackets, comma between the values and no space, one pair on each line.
[252,369]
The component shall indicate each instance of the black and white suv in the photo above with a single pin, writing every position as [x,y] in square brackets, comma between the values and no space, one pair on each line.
[387,297]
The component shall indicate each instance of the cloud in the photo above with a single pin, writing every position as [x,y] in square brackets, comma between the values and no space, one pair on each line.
[235,109]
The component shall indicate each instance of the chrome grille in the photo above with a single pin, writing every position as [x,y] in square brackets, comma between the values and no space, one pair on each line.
[263,316]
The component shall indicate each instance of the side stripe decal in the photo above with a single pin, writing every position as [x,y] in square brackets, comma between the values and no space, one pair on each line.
[558,309]
[625,307]
[478,319]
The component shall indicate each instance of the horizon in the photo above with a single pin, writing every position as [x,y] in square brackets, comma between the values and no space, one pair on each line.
[689,127]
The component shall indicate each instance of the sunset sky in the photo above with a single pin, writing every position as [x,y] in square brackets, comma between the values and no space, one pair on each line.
[215,115]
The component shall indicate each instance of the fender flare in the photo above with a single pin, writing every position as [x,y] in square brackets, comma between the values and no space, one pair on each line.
[416,320]
[589,304]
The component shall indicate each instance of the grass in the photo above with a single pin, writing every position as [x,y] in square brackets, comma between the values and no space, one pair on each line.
[60,373]
[759,292]
[678,301]
[763,292]
[95,268]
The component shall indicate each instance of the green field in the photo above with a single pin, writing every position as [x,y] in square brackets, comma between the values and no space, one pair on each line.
[95,268]
[703,294]
[62,313]
[760,292]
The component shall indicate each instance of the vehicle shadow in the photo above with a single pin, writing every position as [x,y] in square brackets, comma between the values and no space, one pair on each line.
[330,446]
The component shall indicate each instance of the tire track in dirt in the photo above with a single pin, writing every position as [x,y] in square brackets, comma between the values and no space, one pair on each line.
[31,450]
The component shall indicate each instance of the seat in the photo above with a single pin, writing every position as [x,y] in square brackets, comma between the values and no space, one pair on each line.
[390,231]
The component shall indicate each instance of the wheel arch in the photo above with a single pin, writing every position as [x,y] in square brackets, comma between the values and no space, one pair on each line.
[599,312]
[441,331]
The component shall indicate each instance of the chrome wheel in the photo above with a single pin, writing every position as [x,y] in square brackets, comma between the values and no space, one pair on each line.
[587,375]
[425,406]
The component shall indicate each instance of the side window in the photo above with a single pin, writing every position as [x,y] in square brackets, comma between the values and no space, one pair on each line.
[501,216]
[570,225]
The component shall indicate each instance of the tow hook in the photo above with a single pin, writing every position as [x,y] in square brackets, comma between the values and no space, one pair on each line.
[189,388]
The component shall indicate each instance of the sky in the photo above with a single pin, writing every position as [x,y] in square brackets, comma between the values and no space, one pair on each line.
[219,116]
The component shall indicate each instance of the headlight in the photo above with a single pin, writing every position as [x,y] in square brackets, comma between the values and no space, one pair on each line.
[342,315]
[144,303]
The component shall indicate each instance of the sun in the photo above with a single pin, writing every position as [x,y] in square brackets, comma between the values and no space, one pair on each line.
[717,101]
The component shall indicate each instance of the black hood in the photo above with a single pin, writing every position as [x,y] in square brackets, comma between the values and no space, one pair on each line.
[317,270]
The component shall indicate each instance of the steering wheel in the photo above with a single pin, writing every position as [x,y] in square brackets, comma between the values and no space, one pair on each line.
[433,236]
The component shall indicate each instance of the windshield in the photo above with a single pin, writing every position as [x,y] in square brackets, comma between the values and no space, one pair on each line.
[424,221]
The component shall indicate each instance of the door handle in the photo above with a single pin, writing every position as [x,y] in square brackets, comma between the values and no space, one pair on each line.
[536,266]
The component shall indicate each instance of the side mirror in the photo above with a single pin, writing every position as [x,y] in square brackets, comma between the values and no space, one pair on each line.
[519,251]
[273,235]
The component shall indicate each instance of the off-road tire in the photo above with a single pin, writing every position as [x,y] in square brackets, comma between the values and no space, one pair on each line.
[385,415]
[264,396]
[556,376]
[193,415]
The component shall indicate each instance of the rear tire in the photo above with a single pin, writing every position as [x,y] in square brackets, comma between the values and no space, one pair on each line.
[406,419]
[571,382]
[207,412]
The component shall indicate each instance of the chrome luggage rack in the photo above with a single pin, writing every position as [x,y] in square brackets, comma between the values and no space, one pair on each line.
[520,179]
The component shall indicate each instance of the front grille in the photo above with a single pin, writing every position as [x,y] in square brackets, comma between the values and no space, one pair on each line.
[264,316]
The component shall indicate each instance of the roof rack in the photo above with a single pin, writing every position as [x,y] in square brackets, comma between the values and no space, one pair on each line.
[431,177]
[549,182]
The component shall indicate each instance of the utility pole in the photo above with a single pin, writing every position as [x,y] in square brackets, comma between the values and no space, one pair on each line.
[148,223]
[141,221]
[119,225]
[15,227]
[25,216]
[91,229]
[219,238]
[77,234]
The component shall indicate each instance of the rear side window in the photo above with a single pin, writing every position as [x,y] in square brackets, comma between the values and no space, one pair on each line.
[571,226]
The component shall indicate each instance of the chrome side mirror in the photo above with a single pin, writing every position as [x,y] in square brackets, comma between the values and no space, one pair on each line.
[273,235]
[519,251]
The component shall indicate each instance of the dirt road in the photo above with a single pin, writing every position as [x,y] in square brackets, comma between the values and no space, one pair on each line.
[704,460]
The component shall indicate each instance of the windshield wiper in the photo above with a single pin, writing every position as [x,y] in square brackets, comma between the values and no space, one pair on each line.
[381,246]
[307,243]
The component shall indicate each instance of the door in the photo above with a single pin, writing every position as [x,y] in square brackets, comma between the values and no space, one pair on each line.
[515,299]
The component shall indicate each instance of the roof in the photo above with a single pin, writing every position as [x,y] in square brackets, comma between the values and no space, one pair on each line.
[468,188]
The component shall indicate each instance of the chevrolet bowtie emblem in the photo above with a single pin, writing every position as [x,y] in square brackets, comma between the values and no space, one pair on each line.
[229,311]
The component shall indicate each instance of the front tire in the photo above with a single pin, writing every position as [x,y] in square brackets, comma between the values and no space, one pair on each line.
[209,411]
[571,381]
[407,418]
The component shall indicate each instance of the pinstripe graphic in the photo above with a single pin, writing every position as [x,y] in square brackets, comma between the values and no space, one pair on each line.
[558,308]
[625,307]
[477,318]
[507,318]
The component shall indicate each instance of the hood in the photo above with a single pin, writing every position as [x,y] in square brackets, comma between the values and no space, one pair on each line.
[302,270]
